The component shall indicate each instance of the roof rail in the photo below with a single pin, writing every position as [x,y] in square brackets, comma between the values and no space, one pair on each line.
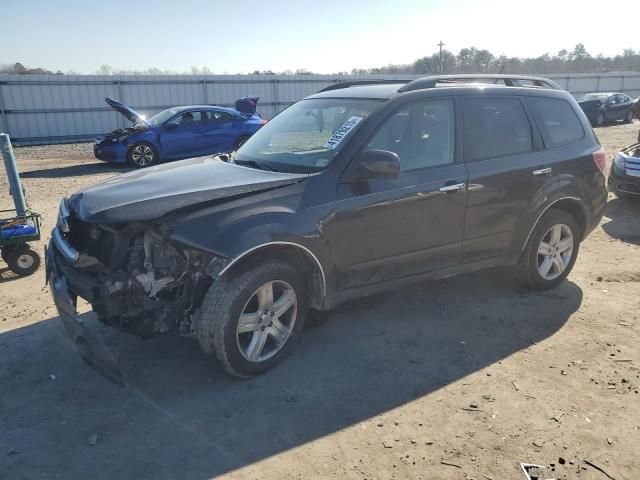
[355,83]
[492,79]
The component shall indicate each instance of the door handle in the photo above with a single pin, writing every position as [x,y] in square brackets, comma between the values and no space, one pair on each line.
[542,171]
[453,188]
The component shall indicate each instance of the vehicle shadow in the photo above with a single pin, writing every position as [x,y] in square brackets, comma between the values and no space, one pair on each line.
[623,219]
[78,170]
[181,417]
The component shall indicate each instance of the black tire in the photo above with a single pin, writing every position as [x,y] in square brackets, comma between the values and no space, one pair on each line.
[599,120]
[240,141]
[23,261]
[142,155]
[226,300]
[527,268]
[4,253]
[629,117]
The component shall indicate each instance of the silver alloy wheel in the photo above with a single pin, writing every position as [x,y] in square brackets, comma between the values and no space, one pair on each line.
[600,120]
[555,251]
[267,320]
[142,155]
[25,261]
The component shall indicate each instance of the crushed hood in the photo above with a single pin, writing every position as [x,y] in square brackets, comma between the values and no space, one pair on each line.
[128,112]
[153,192]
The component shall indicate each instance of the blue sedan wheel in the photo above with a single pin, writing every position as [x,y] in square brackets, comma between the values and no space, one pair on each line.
[142,155]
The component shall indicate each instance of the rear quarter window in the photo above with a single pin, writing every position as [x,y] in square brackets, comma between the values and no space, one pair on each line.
[558,122]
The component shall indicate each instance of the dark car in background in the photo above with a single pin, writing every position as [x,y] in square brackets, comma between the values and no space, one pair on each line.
[178,132]
[602,108]
[354,190]
[624,176]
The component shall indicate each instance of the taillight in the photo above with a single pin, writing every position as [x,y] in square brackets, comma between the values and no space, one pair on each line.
[600,159]
[263,122]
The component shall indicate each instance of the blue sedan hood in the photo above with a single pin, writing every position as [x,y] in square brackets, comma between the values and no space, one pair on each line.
[128,112]
[153,192]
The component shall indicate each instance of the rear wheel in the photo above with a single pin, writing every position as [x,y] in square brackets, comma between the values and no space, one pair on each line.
[600,119]
[141,155]
[250,321]
[23,261]
[550,252]
[629,117]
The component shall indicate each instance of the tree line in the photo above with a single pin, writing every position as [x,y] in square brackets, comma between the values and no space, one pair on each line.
[467,60]
[474,60]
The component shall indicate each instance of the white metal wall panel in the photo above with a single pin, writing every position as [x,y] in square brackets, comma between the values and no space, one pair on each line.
[57,108]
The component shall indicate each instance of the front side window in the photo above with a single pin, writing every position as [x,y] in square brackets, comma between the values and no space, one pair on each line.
[557,120]
[187,118]
[495,127]
[421,134]
[307,136]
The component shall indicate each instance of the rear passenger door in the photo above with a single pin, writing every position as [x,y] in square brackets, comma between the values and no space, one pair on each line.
[507,167]
[221,130]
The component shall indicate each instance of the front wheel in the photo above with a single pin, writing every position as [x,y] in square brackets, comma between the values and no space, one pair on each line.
[141,155]
[250,321]
[600,119]
[551,251]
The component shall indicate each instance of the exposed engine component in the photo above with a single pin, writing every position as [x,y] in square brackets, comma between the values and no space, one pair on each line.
[145,284]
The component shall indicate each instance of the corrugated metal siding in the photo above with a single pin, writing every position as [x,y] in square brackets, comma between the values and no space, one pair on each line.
[56,109]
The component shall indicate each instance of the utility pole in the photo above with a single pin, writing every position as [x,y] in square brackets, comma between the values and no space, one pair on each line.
[441,44]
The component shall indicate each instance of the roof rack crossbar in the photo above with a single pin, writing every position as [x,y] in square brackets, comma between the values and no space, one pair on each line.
[355,83]
[509,80]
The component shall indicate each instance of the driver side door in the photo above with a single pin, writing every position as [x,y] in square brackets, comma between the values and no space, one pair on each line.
[386,229]
[182,136]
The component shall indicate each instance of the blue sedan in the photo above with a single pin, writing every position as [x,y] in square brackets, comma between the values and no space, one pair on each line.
[177,133]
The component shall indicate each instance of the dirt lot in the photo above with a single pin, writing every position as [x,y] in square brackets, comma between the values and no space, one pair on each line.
[461,379]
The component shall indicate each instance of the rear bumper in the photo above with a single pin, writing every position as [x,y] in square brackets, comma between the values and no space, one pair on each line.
[66,283]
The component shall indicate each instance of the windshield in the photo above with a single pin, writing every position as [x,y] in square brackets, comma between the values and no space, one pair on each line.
[595,96]
[307,136]
[163,116]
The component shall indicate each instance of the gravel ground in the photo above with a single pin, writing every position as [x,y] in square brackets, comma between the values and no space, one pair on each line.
[463,378]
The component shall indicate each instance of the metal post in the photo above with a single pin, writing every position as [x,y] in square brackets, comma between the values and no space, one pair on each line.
[276,101]
[12,174]
[441,44]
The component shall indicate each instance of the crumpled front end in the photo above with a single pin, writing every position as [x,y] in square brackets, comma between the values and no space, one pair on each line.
[134,276]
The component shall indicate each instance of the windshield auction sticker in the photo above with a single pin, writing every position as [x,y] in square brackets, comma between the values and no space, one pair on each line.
[342,132]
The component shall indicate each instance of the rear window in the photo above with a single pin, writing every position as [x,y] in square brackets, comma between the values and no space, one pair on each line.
[495,127]
[557,120]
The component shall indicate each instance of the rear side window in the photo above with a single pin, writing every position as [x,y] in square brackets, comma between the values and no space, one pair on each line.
[557,120]
[495,127]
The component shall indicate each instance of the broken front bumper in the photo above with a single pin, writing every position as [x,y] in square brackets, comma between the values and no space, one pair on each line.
[66,284]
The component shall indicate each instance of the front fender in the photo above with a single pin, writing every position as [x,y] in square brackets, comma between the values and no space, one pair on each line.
[274,217]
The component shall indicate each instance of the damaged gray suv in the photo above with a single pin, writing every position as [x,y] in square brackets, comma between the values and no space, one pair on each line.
[362,187]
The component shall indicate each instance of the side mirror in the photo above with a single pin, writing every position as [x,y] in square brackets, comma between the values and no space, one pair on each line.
[378,164]
[170,126]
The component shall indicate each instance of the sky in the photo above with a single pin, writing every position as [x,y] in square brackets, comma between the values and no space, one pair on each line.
[324,36]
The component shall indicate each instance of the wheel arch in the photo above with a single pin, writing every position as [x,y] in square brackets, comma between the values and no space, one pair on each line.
[573,206]
[297,255]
